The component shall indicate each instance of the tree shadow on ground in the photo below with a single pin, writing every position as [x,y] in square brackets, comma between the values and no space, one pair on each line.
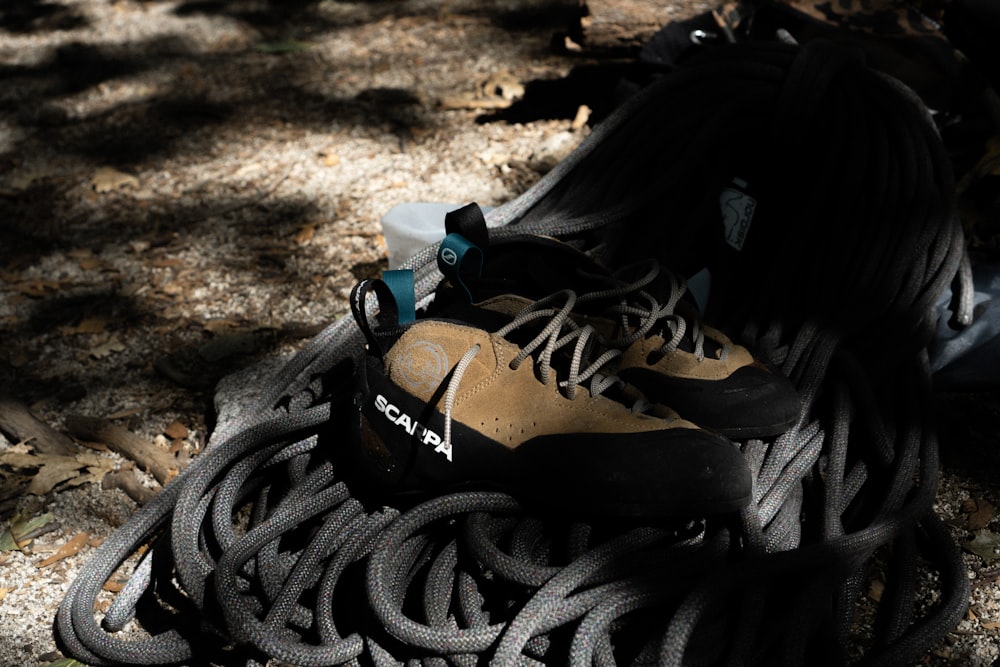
[195,103]
[185,115]
[275,14]
[32,16]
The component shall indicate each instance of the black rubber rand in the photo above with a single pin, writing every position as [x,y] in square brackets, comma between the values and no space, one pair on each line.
[673,473]
[753,402]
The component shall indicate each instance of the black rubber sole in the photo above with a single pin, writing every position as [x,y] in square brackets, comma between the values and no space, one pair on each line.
[671,473]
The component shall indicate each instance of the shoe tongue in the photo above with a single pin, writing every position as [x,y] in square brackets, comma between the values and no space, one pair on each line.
[450,303]
[664,287]
[536,267]
[506,304]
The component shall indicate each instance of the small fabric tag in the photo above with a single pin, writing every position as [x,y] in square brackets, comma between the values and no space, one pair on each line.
[737,212]
[470,222]
[459,260]
[386,317]
[400,283]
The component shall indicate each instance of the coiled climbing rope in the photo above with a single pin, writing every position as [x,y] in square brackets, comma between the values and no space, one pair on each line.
[259,551]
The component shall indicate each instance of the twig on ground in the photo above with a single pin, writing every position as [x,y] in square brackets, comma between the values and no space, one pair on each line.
[126,481]
[19,424]
[159,463]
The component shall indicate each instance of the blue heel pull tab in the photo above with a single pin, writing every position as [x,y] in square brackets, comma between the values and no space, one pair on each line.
[460,260]
[400,283]
[470,222]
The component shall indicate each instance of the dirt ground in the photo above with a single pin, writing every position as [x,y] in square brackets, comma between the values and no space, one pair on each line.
[187,187]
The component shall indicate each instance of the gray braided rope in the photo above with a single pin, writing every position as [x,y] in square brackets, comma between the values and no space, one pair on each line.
[470,578]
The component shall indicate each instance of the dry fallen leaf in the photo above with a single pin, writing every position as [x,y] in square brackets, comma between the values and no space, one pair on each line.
[70,548]
[876,589]
[52,470]
[108,348]
[176,430]
[3,592]
[165,262]
[65,662]
[37,287]
[985,544]
[114,585]
[24,528]
[173,288]
[55,471]
[107,179]
[330,159]
[305,234]
[90,325]
[91,263]
[981,515]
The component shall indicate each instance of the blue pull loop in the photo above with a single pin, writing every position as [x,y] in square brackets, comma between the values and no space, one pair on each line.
[459,260]
[400,283]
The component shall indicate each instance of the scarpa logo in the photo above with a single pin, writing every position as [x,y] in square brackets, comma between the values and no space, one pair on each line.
[422,366]
[412,426]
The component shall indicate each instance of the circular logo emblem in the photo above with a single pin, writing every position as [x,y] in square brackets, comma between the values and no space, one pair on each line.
[422,366]
[449,256]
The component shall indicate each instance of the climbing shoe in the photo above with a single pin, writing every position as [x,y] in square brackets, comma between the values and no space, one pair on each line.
[642,310]
[514,396]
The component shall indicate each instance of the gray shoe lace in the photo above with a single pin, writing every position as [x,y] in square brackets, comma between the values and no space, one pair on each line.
[560,331]
[635,304]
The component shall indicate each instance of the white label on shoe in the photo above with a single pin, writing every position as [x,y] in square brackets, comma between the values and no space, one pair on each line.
[737,213]
[412,426]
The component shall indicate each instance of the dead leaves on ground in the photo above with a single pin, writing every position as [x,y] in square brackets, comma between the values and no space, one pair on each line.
[979,514]
[67,550]
[28,469]
[24,528]
[109,179]
[47,472]
[985,544]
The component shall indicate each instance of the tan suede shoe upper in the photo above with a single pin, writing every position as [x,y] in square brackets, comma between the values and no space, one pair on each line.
[506,405]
